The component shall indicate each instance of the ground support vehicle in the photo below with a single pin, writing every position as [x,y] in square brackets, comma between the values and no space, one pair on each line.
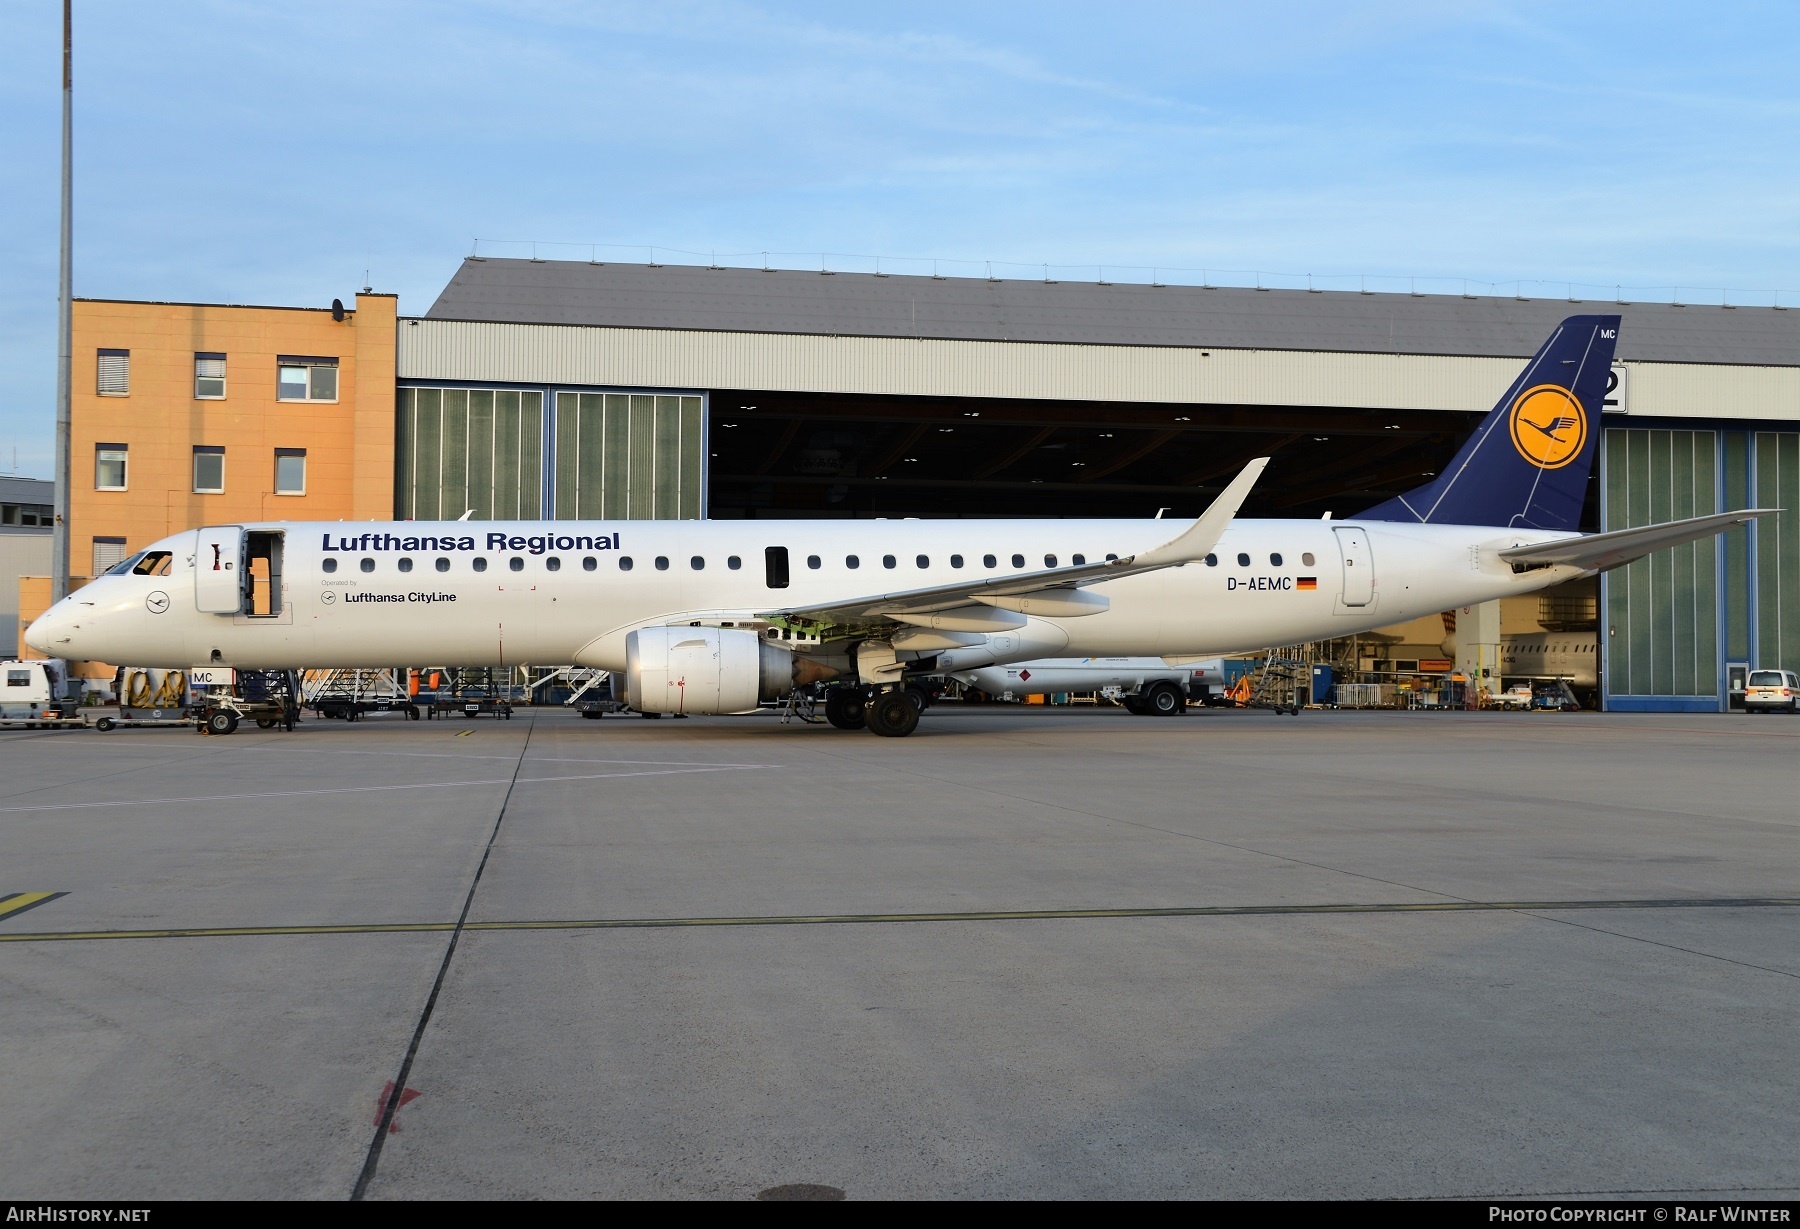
[473,691]
[350,695]
[1278,686]
[225,698]
[147,698]
[1772,691]
[39,695]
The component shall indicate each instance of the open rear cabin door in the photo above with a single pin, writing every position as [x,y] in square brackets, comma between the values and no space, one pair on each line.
[219,569]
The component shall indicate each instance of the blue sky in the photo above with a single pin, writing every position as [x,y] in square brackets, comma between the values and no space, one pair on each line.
[263,153]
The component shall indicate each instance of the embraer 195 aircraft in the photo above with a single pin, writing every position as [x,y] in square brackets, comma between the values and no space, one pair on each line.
[713,617]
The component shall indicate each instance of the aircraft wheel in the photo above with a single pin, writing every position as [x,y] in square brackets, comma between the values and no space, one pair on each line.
[104,724]
[222,721]
[844,708]
[1163,700]
[891,715]
[919,697]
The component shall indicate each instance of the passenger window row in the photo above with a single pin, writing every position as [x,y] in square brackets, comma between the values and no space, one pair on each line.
[589,563]
[1275,559]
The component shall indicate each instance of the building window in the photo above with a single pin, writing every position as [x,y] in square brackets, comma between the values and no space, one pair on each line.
[109,553]
[109,467]
[209,470]
[209,377]
[306,379]
[290,471]
[115,373]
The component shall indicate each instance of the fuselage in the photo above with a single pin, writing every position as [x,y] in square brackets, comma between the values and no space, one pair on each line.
[567,592]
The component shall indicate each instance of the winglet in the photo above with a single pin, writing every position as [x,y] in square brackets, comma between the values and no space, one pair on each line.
[1204,534]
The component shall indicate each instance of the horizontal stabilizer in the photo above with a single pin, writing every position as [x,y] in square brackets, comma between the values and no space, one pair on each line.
[1599,552]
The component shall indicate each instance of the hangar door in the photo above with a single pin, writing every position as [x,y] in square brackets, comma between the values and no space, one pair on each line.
[1359,566]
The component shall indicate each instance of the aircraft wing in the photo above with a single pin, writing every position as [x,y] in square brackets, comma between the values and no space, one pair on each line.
[1598,552]
[1054,588]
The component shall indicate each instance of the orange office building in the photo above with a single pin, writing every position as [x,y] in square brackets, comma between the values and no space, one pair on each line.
[190,414]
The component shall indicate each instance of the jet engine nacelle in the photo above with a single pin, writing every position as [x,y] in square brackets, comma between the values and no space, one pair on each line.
[708,670]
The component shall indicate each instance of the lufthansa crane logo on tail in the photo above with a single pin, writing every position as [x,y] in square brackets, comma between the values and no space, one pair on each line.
[1548,426]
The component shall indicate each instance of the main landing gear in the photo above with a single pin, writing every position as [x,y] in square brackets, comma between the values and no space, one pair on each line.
[892,712]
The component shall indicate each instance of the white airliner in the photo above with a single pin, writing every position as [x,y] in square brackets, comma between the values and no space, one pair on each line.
[1551,655]
[713,617]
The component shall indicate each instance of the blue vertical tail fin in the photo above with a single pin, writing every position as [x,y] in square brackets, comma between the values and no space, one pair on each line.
[1527,464]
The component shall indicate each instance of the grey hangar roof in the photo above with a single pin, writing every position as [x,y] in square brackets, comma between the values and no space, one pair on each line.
[784,301]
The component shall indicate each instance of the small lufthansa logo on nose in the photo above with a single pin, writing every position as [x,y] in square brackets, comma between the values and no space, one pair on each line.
[328,597]
[156,603]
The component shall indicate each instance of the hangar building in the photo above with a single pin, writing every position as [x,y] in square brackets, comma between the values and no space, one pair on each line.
[592,389]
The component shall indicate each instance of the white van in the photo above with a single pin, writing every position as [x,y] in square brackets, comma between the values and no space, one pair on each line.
[37,691]
[1772,690]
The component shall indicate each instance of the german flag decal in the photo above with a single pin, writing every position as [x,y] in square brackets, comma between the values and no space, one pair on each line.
[1306,582]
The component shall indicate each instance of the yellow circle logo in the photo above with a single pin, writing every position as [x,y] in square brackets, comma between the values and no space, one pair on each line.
[1548,426]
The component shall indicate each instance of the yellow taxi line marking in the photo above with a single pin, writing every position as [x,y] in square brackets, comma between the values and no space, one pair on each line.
[19,902]
[851,919]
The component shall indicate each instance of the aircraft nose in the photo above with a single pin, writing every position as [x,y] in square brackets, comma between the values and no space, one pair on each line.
[52,632]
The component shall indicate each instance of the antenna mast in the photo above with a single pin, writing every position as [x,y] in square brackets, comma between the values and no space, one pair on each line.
[59,542]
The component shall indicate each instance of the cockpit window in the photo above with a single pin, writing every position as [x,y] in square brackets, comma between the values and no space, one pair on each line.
[125,565]
[152,563]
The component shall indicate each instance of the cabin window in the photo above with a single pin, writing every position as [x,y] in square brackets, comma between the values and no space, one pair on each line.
[733,562]
[775,566]
[367,565]
[888,561]
[697,563]
[1243,560]
[988,561]
[852,562]
[812,561]
[624,563]
[1275,559]
[662,563]
[1307,558]
[1049,561]
[330,565]
[516,564]
[443,565]
[589,563]
[956,561]
[1018,561]
[405,565]
[479,564]
[552,564]
[1078,560]
[924,561]
[1212,561]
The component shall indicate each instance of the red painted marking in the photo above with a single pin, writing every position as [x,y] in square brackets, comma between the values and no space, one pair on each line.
[406,1095]
[1024,676]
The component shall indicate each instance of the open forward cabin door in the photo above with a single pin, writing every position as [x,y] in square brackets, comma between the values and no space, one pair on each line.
[219,569]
